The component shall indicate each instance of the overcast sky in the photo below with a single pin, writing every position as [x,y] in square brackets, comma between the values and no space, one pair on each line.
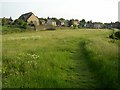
[95,10]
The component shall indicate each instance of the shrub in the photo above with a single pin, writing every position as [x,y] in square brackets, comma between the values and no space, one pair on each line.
[117,34]
[20,23]
[11,29]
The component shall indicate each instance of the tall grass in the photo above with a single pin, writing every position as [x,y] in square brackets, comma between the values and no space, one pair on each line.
[103,60]
[59,59]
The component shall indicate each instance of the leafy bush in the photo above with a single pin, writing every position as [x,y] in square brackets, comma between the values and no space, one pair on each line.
[11,29]
[115,35]
[20,23]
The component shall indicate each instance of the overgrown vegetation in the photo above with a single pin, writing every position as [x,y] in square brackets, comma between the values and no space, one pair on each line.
[115,35]
[20,23]
[60,59]
[12,29]
[102,60]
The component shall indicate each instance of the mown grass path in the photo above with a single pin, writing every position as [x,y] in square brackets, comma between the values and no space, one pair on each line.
[85,76]
[58,59]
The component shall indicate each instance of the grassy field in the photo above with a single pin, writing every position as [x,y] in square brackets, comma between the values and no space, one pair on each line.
[60,59]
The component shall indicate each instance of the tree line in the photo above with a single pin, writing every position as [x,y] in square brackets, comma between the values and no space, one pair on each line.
[75,23]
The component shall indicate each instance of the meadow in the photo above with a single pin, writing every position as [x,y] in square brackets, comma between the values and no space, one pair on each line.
[78,58]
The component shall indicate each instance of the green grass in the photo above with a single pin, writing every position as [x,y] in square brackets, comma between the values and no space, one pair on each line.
[60,59]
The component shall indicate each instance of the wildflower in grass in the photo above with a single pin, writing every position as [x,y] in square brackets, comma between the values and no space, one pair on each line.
[18,58]
[17,73]
[10,74]
[4,69]
[32,63]
[34,56]
[28,54]
[29,62]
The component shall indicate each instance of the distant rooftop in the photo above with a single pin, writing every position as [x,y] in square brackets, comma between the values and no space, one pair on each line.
[25,16]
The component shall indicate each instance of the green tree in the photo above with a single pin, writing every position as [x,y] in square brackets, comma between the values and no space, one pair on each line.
[54,19]
[71,22]
[4,21]
[7,21]
[20,23]
[61,19]
[82,23]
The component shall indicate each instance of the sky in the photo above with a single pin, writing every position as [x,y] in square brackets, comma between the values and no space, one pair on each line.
[95,10]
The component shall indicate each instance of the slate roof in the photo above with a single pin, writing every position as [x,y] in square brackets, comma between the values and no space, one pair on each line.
[25,16]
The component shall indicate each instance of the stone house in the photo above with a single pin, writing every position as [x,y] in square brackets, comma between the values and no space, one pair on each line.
[58,23]
[67,23]
[51,22]
[42,22]
[62,22]
[30,18]
[89,24]
[76,22]
[97,25]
